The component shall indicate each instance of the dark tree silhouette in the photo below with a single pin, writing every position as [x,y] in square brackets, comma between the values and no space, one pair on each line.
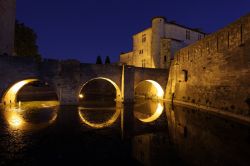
[25,42]
[98,60]
[107,60]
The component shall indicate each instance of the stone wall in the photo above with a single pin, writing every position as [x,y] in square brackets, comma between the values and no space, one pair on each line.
[7,26]
[68,77]
[15,69]
[215,71]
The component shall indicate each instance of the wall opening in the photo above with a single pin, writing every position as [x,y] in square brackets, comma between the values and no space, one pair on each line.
[99,90]
[149,89]
[29,90]
[99,101]
[148,105]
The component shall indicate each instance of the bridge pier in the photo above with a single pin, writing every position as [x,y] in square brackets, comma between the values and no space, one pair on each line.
[128,84]
[68,96]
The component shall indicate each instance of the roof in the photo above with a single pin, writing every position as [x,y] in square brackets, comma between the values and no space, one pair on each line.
[183,26]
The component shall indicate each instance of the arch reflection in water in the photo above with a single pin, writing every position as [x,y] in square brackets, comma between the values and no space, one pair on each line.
[148,110]
[99,117]
[31,116]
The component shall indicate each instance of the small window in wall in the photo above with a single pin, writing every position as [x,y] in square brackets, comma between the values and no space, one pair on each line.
[199,36]
[187,34]
[185,75]
[165,58]
[143,63]
[144,38]
[141,52]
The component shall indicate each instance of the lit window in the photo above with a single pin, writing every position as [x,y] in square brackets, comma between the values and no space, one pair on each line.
[187,34]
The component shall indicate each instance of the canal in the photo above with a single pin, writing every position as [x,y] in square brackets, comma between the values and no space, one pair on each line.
[144,133]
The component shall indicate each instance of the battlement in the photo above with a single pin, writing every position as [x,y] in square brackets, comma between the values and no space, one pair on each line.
[232,36]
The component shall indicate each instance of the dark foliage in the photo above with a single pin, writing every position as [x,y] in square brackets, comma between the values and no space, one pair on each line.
[107,60]
[99,60]
[25,42]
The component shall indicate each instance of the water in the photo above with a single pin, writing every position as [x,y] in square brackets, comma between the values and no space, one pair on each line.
[144,133]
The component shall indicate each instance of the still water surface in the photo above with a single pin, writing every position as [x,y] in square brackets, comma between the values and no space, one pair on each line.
[144,133]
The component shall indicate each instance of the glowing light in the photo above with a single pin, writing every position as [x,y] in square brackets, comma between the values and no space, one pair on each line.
[155,116]
[81,96]
[15,121]
[10,95]
[118,91]
[99,125]
[158,87]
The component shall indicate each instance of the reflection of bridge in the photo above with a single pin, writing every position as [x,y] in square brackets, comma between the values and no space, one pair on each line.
[68,77]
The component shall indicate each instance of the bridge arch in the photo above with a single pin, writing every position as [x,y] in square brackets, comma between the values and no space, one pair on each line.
[118,91]
[10,95]
[148,105]
[149,89]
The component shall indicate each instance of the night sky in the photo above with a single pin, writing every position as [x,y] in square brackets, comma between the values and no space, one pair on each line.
[84,29]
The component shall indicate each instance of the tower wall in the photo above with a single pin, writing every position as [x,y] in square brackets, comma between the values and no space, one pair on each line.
[7,26]
[158,32]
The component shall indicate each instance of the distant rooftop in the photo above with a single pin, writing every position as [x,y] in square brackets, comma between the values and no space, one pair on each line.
[183,26]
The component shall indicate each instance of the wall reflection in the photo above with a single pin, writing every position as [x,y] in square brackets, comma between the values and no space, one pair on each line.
[204,139]
[153,149]
[148,110]
[31,115]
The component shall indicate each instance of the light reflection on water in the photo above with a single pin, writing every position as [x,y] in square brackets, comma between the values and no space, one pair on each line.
[43,132]
[30,115]
[99,117]
[148,110]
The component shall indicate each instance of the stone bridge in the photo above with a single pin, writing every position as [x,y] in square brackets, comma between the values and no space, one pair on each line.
[69,76]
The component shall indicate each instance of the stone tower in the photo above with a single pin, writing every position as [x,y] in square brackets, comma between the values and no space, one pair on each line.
[7,26]
[158,32]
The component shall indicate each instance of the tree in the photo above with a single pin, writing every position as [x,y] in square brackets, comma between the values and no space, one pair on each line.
[98,60]
[107,60]
[25,42]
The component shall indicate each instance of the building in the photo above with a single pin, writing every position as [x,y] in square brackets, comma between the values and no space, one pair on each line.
[155,46]
[7,26]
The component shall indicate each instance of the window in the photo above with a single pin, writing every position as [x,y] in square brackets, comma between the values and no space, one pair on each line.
[140,51]
[187,34]
[199,36]
[184,75]
[165,58]
[143,38]
[143,63]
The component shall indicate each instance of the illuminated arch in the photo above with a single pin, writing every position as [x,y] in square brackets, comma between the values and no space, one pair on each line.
[118,91]
[10,96]
[156,85]
[99,125]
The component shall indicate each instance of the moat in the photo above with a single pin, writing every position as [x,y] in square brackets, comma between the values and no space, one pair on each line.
[42,133]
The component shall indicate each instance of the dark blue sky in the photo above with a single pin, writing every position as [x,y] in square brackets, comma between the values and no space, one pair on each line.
[83,29]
